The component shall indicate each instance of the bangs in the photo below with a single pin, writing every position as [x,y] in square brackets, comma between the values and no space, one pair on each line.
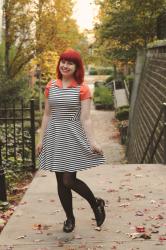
[71,55]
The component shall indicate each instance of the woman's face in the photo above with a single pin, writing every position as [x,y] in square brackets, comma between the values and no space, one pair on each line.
[67,68]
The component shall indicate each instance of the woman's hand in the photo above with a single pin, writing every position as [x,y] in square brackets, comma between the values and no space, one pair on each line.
[96,148]
[39,148]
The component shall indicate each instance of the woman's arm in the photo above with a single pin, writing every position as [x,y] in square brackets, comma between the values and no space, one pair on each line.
[86,120]
[87,125]
[45,119]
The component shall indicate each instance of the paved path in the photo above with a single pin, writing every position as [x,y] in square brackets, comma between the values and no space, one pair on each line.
[134,194]
[107,135]
[105,129]
[134,197]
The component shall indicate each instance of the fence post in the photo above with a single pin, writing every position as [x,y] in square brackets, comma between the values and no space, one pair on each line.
[3,196]
[32,115]
[164,132]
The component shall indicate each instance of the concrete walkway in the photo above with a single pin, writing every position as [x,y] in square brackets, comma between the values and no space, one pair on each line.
[135,196]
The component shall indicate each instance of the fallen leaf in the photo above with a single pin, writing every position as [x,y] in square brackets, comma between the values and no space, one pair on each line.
[38,240]
[161,238]
[139,195]
[134,235]
[138,175]
[138,168]
[139,213]
[2,222]
[99,246]
[119,199]
[60,244]
[155,225]
[154,231]
[124,205]
[145,236]
[21,237]
[140,229]
[77,236]
[111,190]
[43,175]
[23,203]
[40,200]
[41,227]
[9,248]
[153,202]
[159,217]
[128,174]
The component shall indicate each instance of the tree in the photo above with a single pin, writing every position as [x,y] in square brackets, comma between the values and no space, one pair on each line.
[126,25]
[19,43]
[35,27]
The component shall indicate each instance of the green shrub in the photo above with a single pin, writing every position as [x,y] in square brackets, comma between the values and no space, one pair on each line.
[129,77]
[109,79]
[103,95]
[122,113]
[15,169]
[93,71]
[104,71]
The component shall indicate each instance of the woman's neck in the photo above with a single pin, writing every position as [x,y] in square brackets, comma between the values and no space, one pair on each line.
[66,81]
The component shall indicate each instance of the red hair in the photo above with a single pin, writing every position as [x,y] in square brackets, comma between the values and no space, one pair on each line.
[75,57]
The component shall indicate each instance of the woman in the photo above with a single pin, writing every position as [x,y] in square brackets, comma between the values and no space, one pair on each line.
[67,143]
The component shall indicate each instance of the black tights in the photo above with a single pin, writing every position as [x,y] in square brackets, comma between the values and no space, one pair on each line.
[67,181]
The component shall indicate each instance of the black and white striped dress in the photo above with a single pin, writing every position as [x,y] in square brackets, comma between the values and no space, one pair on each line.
[65,144]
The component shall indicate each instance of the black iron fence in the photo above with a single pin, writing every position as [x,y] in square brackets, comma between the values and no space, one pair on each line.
[17,138]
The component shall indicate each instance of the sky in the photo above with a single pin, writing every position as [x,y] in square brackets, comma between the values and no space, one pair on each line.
[84,12]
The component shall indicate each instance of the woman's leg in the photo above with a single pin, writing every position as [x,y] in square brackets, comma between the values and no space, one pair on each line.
[65,195]
[71,182]
[97,204]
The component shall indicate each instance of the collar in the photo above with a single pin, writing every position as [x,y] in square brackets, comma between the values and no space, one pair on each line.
[71,84]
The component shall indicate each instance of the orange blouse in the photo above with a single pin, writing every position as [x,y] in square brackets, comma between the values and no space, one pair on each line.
[84,88]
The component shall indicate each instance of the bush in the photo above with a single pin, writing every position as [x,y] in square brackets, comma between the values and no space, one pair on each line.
[103,96]
[99,83]
[104,71]
[93,71]
[109,79]
[15,169]
[100,71]
[18,88]
[122,113]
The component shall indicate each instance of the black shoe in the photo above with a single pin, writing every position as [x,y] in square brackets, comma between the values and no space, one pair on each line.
[99,211]
[69,225]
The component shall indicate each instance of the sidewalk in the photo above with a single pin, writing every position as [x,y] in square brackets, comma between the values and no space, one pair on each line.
[135,195]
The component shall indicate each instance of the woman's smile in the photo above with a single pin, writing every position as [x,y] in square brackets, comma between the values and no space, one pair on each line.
[67,67]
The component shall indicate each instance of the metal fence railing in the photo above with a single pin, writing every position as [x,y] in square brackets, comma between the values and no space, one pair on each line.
[17,138]
[149,157]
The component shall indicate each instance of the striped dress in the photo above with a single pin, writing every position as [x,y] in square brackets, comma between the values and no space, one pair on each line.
[65,145]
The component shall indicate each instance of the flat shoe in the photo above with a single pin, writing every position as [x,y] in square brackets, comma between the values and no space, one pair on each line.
[99,211]
[69,225]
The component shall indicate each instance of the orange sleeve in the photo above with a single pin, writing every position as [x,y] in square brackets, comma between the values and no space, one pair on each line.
[85,92]
[47,88]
